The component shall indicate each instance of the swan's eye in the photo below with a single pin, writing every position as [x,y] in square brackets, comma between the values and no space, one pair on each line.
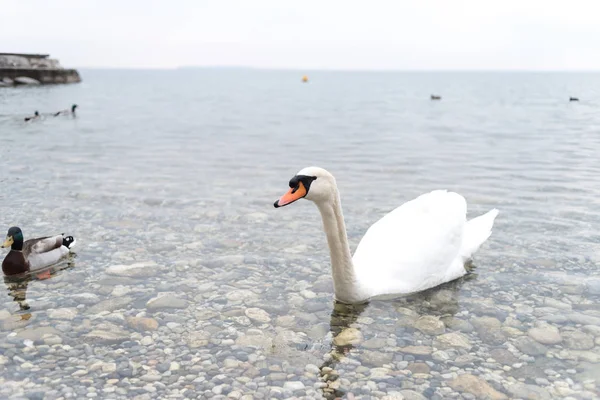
[294,182]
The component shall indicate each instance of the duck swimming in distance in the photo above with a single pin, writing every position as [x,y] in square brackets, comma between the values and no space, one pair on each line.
[33,254]
[36,115]
[67,112]
[421,244]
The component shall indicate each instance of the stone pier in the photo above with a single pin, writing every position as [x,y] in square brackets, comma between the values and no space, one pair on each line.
[33,69]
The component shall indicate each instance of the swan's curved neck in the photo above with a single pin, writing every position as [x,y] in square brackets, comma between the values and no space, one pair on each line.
[345,282]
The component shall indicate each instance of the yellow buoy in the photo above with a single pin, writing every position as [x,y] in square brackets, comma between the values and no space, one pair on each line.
[305,79]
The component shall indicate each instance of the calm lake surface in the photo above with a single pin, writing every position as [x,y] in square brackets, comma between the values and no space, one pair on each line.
[187,283]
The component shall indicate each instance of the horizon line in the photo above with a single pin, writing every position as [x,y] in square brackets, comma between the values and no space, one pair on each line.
[313,69]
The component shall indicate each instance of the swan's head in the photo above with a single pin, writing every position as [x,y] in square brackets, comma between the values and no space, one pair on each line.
[313,183]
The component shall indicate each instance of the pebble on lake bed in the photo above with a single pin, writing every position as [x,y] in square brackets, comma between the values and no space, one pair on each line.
[142,324]
[348,336]
[430,325]
[107,337]
[476,386]
[453,339]
[258,315]
[137,270]
[578,340]
[545,334]
[62,313]
[417,350]
[166,301]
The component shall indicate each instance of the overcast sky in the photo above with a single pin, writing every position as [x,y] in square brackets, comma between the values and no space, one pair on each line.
[329,34]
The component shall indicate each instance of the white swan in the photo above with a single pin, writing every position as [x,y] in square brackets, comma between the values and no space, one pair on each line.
[421,244]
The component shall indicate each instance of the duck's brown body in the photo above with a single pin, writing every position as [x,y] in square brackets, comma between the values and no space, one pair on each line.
[15,263]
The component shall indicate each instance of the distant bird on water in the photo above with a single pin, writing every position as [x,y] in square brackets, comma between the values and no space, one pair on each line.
[434,97]
[67,112]
[573,99]
[36,115]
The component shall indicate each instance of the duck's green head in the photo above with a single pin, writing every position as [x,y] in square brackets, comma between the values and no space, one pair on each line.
[14,238]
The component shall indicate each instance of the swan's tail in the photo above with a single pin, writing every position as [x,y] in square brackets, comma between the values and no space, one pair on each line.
[477,231]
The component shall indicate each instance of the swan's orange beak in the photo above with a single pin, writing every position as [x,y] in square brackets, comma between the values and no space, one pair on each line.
[291,196]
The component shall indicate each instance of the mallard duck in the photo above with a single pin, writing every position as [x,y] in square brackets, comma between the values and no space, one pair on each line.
[66,112]
[33,254]
[421,244]
[36,115]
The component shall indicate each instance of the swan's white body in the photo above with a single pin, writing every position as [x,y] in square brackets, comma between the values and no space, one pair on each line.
[421,244]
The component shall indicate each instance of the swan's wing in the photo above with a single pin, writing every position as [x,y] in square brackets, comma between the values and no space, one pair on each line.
[414,247]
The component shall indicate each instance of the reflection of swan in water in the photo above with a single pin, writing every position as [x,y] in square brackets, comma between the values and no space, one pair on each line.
[342,317]
[440,301]
[16,286]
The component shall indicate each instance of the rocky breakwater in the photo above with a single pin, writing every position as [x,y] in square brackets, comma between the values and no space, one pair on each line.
[33,69]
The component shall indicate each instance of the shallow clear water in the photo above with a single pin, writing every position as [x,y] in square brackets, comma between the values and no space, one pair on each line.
[178,170]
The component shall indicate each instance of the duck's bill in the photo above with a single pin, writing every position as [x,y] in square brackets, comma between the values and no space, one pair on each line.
[8,242]
[291,196]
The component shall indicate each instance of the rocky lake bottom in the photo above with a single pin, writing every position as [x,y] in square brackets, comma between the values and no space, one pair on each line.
[187,283]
